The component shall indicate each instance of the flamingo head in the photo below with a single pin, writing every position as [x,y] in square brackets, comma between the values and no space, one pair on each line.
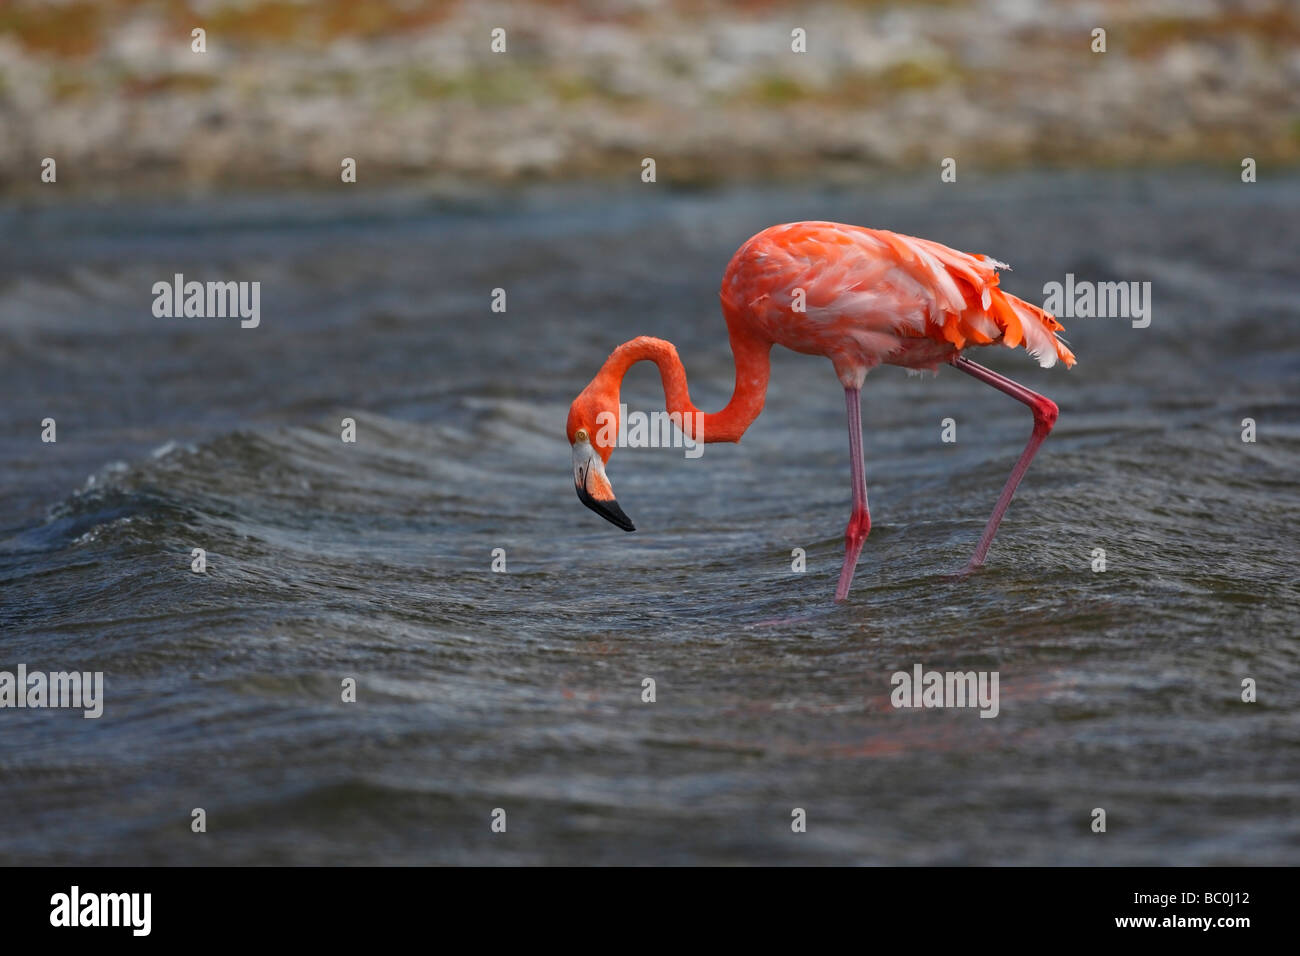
[592,431]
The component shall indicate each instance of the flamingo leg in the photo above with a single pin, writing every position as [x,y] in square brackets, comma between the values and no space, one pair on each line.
[860,523]
[1045,412]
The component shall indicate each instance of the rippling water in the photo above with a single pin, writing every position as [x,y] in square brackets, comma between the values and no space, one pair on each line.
[522,690]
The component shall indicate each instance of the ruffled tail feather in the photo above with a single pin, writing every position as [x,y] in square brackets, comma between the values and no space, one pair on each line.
[1024,322]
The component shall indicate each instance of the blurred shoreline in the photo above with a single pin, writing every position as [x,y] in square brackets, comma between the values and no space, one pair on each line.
[587,89]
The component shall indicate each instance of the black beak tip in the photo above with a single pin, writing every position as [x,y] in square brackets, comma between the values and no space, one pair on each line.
[609,510]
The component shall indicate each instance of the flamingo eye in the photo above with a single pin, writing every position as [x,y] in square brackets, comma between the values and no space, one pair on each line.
[580,435]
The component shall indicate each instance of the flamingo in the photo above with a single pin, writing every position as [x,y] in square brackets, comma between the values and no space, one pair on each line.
[862,298]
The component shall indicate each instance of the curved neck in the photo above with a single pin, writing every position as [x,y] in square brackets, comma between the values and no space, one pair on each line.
[753,365]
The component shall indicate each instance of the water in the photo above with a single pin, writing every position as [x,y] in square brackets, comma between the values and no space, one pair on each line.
[522,690]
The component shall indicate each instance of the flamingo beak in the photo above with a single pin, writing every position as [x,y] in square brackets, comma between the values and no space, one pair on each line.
[594,489]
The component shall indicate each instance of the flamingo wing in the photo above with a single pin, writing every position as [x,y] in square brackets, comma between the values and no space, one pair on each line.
[873,293]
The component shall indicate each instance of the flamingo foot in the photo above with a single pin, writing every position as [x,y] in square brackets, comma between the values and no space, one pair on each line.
[959,576]
[855,535]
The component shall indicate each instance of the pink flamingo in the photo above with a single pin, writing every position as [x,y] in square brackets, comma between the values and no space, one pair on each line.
[860,297]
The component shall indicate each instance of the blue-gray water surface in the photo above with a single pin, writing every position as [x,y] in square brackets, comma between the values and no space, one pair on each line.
[476,690]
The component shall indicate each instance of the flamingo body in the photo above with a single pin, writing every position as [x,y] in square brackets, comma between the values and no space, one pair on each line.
[872,297]
[862,298]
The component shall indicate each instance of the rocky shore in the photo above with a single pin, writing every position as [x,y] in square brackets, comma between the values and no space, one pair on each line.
[414,92]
